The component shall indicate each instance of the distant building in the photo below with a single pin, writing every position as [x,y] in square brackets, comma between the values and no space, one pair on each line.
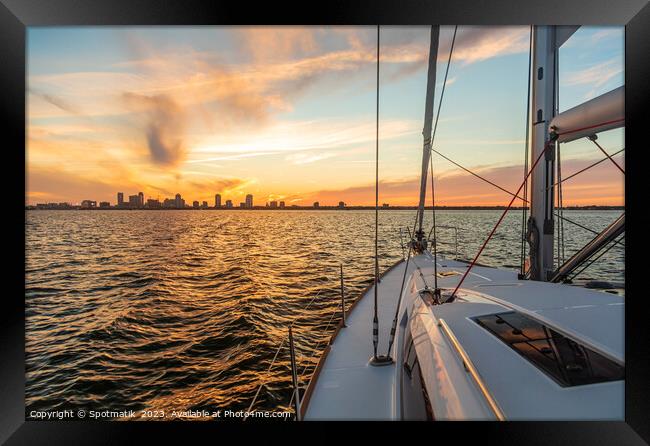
[120,199]
[229,204]
[242,205]
[249,201]
[195,204]
[88,204]
[385,205]
[179,202]
[153,204]
[141,196]
[104,205]
[204,205]
[217,201]
[282,205]
[341,204]
[169,203]
[316,204]
[53,206]
[134,201]
[273,204]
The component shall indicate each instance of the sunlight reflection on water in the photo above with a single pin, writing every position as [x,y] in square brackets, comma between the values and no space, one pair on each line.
[185,309]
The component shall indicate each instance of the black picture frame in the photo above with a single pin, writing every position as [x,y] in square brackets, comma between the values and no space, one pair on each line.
[16,15]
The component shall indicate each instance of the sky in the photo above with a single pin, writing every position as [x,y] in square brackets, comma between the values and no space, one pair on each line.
[288,113]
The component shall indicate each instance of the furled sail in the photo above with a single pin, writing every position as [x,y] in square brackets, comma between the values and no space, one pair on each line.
[605,112]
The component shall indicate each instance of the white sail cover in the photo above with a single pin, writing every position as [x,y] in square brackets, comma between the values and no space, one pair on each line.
[605,112]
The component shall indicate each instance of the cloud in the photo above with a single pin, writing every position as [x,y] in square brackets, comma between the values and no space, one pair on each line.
[477,43]
[304,135]
[596,75]
[473,44]
[236,157]
[280,64]
[163,127]
[607,33]
[272,43]
[58,102]
[308,158]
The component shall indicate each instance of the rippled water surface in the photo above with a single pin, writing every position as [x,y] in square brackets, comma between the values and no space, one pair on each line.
[178,310]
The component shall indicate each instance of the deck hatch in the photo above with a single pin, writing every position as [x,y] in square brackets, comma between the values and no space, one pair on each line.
[568,362]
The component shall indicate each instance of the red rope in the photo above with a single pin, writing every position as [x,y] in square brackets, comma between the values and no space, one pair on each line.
[515,195]
[590,127]
[498,223]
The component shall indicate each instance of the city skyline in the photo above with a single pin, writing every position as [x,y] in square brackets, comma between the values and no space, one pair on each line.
[287,113]
[137,202]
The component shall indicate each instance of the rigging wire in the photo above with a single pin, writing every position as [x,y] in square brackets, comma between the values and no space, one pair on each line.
[620,245]
[399,301]
[502,216]
[475,174]
[334,313]
[562,217]
[444,84]
[267,372]
[375,321]
[480,251]
[593,139]
[524,210]
[591,262]
[560,211]
[435,237]
[588,167]
[433,137]
[259,388]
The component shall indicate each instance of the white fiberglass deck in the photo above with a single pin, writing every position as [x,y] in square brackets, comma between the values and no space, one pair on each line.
[348,388]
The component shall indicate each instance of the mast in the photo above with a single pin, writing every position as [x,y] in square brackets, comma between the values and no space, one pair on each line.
[426,134]
[544,84]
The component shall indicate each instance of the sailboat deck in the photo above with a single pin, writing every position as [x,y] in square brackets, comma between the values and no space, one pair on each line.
[348,387]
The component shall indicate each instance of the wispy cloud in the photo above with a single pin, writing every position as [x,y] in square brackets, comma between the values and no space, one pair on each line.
[595,76]
[476,43]
[319,134]
[308,158]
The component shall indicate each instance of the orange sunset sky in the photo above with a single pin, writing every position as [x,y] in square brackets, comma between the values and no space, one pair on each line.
[288,113]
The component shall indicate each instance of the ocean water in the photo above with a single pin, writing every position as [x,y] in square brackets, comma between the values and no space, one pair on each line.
[185,310]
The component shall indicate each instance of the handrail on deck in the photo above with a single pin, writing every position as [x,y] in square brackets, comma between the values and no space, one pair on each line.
[469,367]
